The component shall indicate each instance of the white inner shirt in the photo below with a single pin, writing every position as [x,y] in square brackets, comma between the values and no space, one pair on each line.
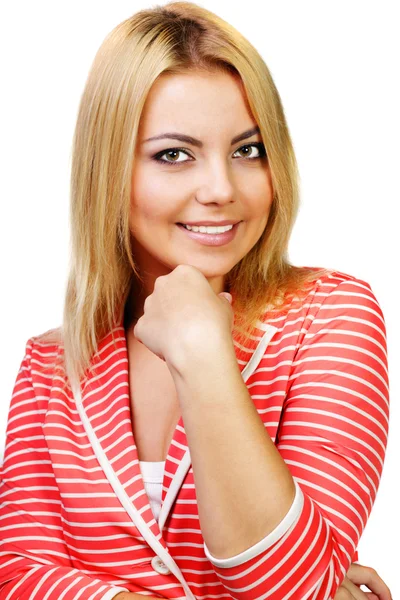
[152,474]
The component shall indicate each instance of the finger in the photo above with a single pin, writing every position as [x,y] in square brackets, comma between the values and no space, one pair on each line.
[367,576]
[343,594]
[355,591]
[227,296]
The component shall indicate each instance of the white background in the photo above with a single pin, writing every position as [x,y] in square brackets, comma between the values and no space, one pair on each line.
[336,67]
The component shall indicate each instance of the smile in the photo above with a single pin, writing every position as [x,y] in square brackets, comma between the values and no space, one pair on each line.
[214,238]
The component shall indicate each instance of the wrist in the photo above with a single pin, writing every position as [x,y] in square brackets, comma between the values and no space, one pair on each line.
[199,356]
[198,372]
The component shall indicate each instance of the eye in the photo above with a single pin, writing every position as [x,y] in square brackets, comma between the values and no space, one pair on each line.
[176,151]
[260,147]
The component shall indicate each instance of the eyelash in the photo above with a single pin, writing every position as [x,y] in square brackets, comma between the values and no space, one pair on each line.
[157,157]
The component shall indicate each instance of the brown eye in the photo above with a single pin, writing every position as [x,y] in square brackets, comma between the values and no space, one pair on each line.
[245,149]
[248,150]
[173,152]
[170,151]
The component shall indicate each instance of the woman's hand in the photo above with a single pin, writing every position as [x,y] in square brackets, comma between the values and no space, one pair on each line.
[182,315]
[359,575]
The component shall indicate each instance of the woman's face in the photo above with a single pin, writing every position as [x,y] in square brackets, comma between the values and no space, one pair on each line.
[209,180]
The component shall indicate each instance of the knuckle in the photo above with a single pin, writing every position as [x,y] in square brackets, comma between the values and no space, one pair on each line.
[185,268]
[372,573]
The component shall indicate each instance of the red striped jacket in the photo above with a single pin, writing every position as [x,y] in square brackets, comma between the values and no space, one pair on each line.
[75,518]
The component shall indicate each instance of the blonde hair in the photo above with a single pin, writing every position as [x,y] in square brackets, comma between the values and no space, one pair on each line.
[173,38]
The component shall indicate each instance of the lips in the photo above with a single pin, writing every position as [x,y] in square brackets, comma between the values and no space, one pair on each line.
[211,239]
[209,223]
[206,226]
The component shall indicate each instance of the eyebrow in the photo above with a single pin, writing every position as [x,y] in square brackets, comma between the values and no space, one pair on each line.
[188,139]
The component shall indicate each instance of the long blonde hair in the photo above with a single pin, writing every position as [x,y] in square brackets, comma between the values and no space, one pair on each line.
[173,38]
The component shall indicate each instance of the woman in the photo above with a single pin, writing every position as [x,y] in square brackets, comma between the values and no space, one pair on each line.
[209,421]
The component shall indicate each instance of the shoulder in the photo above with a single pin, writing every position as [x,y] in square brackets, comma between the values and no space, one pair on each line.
[45,347]
[44,357]
[51,337]
[333,285]
[34,381]
[344,303]
[331,294]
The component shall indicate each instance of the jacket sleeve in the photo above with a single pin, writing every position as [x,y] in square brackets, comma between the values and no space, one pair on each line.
[333,437]
[34,559]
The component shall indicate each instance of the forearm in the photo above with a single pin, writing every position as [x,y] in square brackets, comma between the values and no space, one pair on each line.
[243,487]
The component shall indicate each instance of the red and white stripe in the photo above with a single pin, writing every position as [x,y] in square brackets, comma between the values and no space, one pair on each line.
[75,520]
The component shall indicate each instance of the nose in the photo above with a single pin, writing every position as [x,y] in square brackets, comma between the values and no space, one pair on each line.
[216,185]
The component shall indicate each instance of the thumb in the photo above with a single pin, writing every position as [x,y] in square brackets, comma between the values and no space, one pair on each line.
[226,295]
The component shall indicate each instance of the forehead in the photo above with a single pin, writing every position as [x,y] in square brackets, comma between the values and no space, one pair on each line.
[195,100]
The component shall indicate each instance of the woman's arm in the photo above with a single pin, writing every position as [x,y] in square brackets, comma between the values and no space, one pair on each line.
[34,558]
[332,437]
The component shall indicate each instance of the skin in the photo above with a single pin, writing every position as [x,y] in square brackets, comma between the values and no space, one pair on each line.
[216,182]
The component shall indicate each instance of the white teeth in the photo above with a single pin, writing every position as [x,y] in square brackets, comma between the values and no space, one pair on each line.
[204,229]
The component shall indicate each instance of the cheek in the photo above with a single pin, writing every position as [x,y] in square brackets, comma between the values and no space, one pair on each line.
[261,207]
[150,199]
[260,216]
[147,205]
[150,218]
[152,195]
